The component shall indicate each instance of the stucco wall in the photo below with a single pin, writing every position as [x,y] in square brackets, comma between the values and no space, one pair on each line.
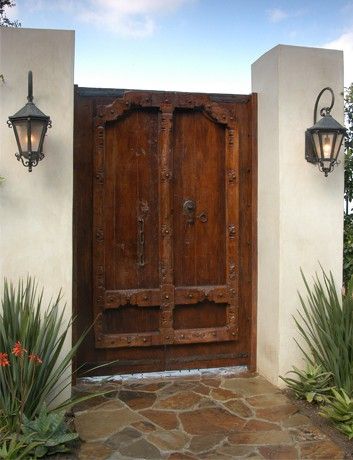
[36,207]
[300,212]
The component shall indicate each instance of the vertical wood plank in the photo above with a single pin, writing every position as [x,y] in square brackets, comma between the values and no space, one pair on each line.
[199,169]
[166,223]
[75,255]
[232,233]
[254,253]
[98,228]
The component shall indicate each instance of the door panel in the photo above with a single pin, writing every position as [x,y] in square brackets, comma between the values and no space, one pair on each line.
[172,265]
[160,182]
[199,170]
[131,202]
[200,315]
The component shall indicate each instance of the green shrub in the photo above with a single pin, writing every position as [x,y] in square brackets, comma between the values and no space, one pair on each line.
[15,447]
[339,409]
[50,431]
[326,325]
[348,248]
[312,384]
[32,355]
[25,384]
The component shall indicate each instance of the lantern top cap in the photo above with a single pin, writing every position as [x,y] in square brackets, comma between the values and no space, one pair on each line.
[30,110]
[328,123]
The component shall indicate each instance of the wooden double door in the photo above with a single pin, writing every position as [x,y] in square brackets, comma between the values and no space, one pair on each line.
[165,229]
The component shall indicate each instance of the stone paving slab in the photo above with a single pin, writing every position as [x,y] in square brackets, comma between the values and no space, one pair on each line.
[203,417]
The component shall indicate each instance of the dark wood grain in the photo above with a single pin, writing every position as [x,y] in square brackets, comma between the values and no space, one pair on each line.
[199,170]
[253,245]
[131,202]
[184,295]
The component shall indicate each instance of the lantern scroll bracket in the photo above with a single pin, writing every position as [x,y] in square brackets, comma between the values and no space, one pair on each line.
[324,139]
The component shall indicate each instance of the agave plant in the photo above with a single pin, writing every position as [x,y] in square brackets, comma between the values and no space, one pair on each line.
[339,409]
[15,446]
[311,384]
[50,431]
[326,325]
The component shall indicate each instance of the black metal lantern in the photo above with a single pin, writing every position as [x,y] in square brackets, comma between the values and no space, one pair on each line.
[30,125]
[323,140]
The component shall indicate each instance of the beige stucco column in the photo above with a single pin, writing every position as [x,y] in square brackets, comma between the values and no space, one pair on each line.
[300,212]
[36,207]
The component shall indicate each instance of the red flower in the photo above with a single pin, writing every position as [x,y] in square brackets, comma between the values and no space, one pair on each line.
[4,361]
[18,349]
[35,359]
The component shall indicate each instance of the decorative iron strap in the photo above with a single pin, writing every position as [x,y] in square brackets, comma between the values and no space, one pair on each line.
[142,214]
[141,241]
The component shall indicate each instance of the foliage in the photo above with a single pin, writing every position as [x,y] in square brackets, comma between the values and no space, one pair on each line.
[348,175]
[15,447]
[348,167]
[4,20]
[50,431]
[348,248]
[326,325]
[24,386]
[339,409]
[312,384]
[348,187]
[348,113]
[23,366]
[31,369]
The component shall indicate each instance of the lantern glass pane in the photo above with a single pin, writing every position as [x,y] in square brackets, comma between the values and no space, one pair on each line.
[327,145]
[37,128]
[316,139]
[337,147]
[21,128]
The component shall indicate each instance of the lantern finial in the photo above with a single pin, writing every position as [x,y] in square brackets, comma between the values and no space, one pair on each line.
[30,86]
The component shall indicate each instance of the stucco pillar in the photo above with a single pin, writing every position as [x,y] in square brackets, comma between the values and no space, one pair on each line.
[36,207]
[300,212]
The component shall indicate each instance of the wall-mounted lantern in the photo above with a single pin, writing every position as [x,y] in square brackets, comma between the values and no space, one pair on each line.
[323,140]
[30,125]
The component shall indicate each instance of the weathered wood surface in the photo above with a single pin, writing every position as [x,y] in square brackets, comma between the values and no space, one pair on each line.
[165,279]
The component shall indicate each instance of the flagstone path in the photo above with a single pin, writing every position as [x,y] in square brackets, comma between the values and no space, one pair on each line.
[198,417]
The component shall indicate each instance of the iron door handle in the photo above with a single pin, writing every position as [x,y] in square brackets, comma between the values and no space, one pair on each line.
[189,208]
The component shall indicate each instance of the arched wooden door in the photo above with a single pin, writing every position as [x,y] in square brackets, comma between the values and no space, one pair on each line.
[172,236]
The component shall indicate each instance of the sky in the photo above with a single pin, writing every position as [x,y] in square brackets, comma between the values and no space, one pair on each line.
[187,45]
